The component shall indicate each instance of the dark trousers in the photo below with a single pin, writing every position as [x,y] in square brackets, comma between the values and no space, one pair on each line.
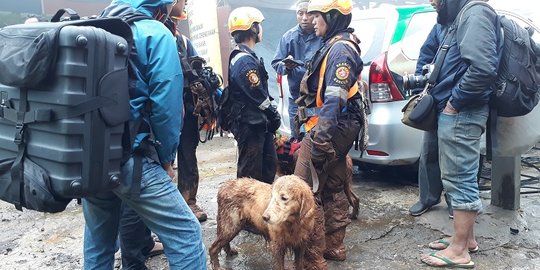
[429,173]
[135,239]
[188,172]
[257,156]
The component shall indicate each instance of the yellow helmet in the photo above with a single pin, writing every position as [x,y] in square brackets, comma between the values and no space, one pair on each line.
[324,6]
[243,17]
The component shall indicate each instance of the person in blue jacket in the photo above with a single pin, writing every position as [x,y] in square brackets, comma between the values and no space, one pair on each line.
[136,241]
[299,44]
[462,93]
[257,119]
[155,81]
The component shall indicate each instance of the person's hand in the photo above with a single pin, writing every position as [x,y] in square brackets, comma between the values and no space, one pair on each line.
[274,118]
[169,169]
[449,109]
[290,65]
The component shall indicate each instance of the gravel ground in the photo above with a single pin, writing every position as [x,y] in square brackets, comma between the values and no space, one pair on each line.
[384,237]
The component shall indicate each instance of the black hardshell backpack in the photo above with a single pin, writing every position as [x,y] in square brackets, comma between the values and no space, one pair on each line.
[42,166]
[517,89]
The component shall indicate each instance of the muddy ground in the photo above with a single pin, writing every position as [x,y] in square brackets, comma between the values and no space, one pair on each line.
[384,236]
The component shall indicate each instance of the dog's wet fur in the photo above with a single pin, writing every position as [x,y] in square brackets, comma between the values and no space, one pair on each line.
[283,213]
[284,168]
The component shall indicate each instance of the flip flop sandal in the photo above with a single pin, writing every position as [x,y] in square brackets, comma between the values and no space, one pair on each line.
[449,263]
[446,244]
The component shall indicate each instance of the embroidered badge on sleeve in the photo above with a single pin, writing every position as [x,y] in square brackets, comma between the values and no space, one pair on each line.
[342,73]
[253,78]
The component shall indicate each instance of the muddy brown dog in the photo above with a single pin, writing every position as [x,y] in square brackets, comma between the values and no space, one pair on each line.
[283,213]
[286,166]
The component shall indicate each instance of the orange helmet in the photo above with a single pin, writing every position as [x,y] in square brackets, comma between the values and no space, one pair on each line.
[324,6]
[242,18]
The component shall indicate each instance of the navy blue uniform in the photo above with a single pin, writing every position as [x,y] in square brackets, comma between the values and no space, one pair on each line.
[256,124]
[326,145]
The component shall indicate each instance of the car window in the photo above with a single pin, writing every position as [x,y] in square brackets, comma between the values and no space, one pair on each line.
[416,33]
[371,33]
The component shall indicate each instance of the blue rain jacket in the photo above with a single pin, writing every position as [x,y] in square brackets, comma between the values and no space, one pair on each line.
[159,78]
[302,47]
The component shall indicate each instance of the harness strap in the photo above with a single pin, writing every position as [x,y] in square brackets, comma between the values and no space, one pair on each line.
[352,91]
[313,117]
[17,169]
[48,115]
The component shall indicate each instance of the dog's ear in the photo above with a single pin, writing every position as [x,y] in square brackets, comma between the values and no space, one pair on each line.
[307,205]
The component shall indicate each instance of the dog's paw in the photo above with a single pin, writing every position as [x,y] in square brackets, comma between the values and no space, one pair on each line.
[231,252]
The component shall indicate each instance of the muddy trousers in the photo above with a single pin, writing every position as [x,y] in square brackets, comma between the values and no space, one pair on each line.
[188,172]
[332,211]
[257,157]
[336,220]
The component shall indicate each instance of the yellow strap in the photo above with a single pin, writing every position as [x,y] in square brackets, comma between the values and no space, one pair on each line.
[352,91]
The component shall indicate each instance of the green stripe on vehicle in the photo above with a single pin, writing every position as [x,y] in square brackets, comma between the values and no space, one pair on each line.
[404,16]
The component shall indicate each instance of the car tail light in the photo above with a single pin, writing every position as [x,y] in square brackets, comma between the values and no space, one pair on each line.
[382,87]
[376,153]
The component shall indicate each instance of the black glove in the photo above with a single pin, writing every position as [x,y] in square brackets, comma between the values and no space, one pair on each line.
[274,119]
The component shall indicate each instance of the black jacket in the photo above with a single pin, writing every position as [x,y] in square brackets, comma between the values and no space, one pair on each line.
[470,67]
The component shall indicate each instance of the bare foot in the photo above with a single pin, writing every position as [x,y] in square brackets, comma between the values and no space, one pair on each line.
[445,242]
[438,259]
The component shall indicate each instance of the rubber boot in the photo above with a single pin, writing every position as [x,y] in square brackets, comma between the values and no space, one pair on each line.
[335,249]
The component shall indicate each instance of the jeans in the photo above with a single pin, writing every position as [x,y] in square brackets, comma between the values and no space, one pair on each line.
[293,108]
[429,174]
[459,155]
[162,209]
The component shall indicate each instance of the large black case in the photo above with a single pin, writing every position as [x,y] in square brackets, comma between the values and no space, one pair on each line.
[80,154]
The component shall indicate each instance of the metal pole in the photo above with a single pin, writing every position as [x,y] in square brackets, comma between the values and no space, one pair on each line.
[506,182]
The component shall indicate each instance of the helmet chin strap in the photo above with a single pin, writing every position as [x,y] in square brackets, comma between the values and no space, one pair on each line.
[255,29]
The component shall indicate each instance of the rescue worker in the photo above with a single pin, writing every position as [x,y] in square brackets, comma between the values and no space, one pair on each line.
[188,171]
[136,241]
[330,112]
[299,44]
[256,119]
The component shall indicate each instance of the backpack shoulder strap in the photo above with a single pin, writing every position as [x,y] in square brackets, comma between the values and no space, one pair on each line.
[130,18]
